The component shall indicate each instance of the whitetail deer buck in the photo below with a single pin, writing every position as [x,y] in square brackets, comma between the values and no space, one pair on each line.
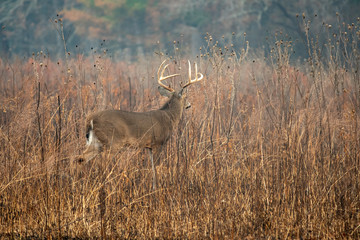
[114,129]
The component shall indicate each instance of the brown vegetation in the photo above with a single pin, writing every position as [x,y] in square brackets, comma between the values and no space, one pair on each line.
[269,149]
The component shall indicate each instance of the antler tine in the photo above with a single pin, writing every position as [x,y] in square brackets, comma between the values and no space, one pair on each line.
[198,76]
[162,78]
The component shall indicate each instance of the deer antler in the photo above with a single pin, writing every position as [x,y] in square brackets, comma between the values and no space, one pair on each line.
[162,78]
[198,76]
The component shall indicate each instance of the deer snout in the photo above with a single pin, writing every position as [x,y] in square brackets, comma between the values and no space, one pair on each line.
[187,104]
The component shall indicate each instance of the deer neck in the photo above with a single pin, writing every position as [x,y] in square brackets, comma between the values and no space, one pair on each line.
[173,109]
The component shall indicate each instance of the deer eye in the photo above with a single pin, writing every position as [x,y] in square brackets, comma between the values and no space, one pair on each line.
[87,135]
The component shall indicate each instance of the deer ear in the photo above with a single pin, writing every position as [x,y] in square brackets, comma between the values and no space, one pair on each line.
[164,92]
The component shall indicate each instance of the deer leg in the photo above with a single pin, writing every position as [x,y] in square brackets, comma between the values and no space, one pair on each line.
[153,168]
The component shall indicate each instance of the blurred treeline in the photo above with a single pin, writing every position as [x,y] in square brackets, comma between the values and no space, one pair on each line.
[135,27]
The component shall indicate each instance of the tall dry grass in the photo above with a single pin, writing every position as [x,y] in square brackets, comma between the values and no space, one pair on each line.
[269,149]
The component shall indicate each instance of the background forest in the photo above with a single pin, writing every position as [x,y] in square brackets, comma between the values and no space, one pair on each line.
[132,28]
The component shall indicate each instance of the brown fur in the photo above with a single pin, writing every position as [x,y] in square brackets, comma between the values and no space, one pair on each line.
[116,128]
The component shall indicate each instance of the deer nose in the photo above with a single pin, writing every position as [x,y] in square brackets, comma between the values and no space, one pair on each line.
[187,105]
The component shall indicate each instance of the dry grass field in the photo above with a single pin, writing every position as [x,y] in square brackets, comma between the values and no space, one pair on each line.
[270,148]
